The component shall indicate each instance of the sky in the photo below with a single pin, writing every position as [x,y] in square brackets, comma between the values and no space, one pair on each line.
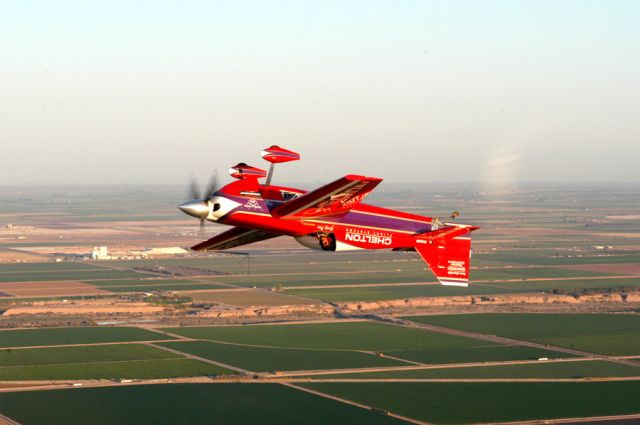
[489,92]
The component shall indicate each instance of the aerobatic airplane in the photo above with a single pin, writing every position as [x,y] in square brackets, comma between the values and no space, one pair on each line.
[330,218]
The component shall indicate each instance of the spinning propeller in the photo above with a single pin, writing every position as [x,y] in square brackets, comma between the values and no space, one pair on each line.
[200,205]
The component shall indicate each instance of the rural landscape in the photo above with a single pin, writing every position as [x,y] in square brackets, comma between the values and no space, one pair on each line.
[319,212]
[107,317]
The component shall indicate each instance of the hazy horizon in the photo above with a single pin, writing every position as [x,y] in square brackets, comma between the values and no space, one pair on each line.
[487,92]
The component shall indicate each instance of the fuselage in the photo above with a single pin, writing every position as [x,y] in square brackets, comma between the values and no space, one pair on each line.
[246,203]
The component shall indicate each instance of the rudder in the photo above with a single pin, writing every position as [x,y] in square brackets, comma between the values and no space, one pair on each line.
[448,258]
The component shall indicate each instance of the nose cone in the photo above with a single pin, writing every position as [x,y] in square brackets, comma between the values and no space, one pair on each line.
[195,208]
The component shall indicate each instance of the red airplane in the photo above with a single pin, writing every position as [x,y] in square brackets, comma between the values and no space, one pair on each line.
[330,218]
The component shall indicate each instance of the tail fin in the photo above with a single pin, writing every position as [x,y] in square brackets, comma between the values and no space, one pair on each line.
[447,252]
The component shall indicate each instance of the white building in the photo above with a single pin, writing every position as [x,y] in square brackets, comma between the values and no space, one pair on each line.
[100,253]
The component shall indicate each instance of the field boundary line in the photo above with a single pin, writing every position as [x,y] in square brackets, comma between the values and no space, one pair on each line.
[431,366]
[472,380]
[569,420]
[239,344]
[202,359]
[5,420]
[166,333]
[89,344]
[353,403]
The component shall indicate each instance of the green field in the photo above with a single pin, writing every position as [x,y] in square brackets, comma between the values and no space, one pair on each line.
[82,354]
[567,285]
[67,336]
[26,272]
[136,369]
[98,362]
[532,272]
[450,403]
[25,268]
[377,293]
[220,404]
[280,262]
[612,334]
[410,344]
[69,275]
[259,359]
[535,258]
[542,370]
[310,279]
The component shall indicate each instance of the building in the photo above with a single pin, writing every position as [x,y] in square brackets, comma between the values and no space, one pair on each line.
[100,253]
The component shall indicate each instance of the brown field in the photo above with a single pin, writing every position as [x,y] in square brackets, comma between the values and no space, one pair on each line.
[246,297]
[100,231]
[88,307]
[499,300]
[146,223]
[12,256]
[50,289]
[614,234]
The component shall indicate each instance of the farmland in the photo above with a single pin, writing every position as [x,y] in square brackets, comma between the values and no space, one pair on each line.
[263,403]
[539,370]
[68,336]
[404,343]
[263,359]
[136,369]
[101,354]
[489,402]
[80,354]
[331,347]
[604,334]
[219,349]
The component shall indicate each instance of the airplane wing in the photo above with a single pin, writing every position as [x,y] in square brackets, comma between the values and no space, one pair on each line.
[233,237]
[334,198]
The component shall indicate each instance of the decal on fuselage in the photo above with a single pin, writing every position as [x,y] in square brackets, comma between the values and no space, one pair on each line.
[325,228]
[365,236]
[252,204]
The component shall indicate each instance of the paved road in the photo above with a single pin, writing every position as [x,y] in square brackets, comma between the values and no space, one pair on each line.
[4,420]
[428,366]
[631,419]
